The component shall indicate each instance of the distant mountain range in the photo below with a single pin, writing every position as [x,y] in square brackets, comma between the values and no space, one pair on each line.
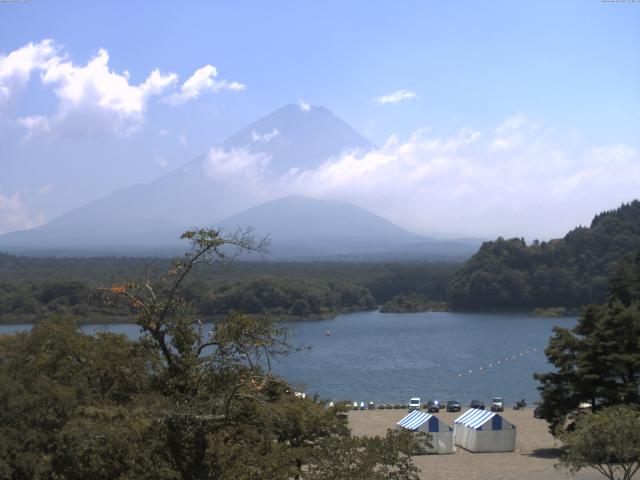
[148,218]
[304,227]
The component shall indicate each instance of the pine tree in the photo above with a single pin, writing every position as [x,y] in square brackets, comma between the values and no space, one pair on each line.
[597,361]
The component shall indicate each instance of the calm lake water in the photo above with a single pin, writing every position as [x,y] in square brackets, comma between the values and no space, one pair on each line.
[371,356]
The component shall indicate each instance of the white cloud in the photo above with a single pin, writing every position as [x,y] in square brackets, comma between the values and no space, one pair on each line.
[512,123]
[541,187]
[506,143]
[397,96]
[611,154]
[45,189]
[265,137]
[16,67]
[182,139]
[93,99]
[163,132]
[564,186]
[14,214]
[305,107]
[509,134]
[161,161]
[461,184]
[397,167]
[203,80]
[236,163]
[34,125]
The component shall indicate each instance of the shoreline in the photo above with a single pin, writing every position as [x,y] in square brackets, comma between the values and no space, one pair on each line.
[536,452]
[120,320]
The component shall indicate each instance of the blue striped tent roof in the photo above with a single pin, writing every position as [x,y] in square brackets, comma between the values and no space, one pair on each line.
[414,420]
[474,418]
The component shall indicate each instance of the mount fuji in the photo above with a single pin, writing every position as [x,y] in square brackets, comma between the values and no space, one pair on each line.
[218,188]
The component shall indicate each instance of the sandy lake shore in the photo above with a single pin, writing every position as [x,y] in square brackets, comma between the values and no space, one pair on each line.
[534,458]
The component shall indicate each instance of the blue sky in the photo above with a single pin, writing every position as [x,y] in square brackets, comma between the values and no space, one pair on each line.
[568,69]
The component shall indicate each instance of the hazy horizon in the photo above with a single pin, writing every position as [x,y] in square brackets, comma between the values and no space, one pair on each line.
[488,120]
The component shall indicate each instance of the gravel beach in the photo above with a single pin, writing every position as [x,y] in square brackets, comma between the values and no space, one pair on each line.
[534,458]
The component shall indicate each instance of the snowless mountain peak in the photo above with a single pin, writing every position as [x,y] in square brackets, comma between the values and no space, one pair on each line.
[296,138]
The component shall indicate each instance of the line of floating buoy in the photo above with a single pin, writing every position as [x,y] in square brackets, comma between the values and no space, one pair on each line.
[497,363]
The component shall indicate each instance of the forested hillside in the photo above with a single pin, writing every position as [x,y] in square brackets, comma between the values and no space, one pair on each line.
[570,272]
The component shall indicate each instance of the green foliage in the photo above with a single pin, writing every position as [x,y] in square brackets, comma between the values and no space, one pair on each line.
[279,297]
[49,375]
[597,361]
[607,441]
[368,458]
[104,443]
[411,303]
[181,403]
[35,288]
[569,272]
[287,297]
[27,302]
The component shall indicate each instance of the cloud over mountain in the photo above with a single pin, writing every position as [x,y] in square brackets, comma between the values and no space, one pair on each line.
[457,182]
[15,215]
[462,182]
[397,96]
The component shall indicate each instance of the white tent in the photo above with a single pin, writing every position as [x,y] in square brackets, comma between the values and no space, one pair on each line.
[481,431]
[441,435]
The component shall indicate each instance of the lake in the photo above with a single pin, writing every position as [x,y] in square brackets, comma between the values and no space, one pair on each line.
[371,356]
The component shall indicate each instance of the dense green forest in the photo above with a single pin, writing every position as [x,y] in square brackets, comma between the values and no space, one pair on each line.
[569,272]
[280,298]
[32,288]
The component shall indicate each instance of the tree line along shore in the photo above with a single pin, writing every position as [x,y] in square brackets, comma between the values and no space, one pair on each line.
[553,278]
